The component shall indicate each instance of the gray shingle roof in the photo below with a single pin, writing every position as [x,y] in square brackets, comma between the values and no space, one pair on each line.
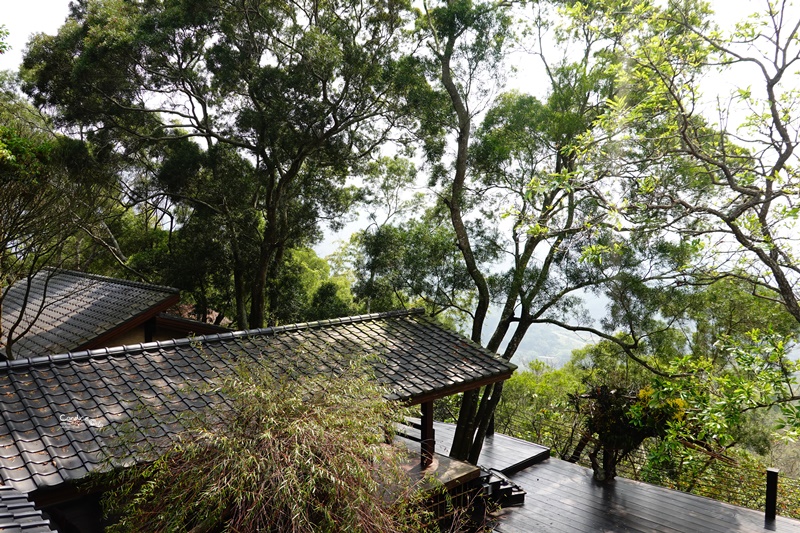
[67,310]
[56,408]
[17,513]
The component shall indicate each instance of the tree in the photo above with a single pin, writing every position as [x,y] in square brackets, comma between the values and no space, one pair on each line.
[282,100]
[537,406]
[308,291]
[715,180]
[720,357]
[722,173]
[280,455]
[519,165]
[47,187]
[412,263]
[3,36]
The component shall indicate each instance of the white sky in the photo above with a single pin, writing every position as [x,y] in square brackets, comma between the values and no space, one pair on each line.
[22,18]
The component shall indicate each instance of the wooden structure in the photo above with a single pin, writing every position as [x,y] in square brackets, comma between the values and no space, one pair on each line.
[58,311]
[563,497]
[59,410]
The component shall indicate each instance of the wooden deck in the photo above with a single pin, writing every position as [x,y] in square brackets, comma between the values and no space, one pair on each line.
[500,452]
[563,497]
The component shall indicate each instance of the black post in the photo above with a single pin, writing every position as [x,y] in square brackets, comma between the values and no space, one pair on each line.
[427,440]
[149,330]
[490,429]
[772,494]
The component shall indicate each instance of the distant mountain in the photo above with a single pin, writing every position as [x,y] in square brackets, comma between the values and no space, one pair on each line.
[550,344]
[546,342]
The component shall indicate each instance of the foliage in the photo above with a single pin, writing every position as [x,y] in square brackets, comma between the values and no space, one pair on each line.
[714,365]
[50,187]
[308,291]
[278,455]
[536,405]
[412,261]
[518,204]
[606,363]
[3,36]
[706,400]
[718,173]
[754,374]
[239,128]
[706,183]
[620,421]
[246,116]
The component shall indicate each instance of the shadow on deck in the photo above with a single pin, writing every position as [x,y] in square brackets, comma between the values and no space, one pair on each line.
[505,454]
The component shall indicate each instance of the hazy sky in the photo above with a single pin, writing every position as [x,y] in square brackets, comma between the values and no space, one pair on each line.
[22,18]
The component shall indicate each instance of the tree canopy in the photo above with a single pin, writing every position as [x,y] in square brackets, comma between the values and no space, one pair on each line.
[51,187]
[251,114]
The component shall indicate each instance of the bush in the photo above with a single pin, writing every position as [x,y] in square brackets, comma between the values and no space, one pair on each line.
[302,455]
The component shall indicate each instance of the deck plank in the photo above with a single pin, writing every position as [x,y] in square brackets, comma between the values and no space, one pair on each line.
[563,494]
[501,453]
[563,497]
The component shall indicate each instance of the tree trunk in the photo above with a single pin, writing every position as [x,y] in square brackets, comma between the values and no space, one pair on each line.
[239,286]
[465,429]
[258,289]
[491,397]
[578,451]
[273,295]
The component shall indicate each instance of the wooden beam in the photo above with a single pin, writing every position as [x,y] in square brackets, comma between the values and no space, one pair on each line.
[450,390]
[135,321]
[427,436]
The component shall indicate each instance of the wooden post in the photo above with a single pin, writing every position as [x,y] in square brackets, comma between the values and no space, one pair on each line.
[772,494]
[427,439]
[490,429]
[149,330]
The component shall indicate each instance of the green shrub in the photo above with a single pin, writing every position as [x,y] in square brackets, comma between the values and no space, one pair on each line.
[279,455]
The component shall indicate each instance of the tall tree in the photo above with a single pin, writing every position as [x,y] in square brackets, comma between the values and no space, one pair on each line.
[298,92]
[514,190]
[717,168]
[710,182]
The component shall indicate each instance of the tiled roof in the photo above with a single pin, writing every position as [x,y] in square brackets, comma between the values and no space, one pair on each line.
[18,515]
[55,408]
[67,310]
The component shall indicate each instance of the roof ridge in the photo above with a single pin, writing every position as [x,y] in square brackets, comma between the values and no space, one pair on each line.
[213,337]
[117,281]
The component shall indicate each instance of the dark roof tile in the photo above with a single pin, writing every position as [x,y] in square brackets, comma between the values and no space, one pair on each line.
[66,310]
[62,409]
[17,513]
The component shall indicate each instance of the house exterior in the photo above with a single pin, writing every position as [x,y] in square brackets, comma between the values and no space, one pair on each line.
[59,311]
[61,410]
